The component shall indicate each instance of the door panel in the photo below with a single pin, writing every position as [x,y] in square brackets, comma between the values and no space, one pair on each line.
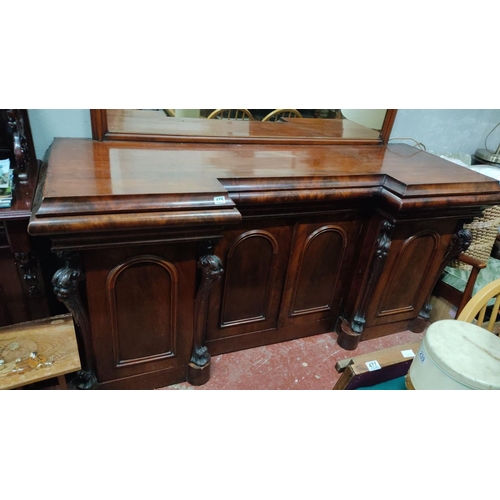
[319,270]
[141,302]
[136,285]
[248,297]
[249,280]
[416,251]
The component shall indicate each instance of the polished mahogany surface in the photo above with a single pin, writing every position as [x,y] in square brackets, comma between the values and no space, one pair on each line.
[151,124]
[190,250]
[108,178]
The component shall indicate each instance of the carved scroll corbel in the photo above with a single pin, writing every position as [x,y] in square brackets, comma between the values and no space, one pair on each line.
[459,243]
[350,335]
[199,366]
[27,266]
[66,282]
[20,143]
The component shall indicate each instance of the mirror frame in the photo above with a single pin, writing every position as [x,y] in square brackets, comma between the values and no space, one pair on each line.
[100,132]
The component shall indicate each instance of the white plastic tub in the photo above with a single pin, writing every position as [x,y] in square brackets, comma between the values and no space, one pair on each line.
[455,355]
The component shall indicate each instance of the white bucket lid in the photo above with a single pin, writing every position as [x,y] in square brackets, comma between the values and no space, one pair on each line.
[466,352]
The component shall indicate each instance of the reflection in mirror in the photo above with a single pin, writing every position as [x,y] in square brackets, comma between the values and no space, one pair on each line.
[371,118]
[288,126]
[251,126]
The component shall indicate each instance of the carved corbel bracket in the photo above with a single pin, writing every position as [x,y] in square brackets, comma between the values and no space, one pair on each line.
[66,283]
[27,266]
[350,334]
[212,271]
[20,146]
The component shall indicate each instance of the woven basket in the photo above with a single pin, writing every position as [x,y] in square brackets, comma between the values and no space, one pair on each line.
[484,231]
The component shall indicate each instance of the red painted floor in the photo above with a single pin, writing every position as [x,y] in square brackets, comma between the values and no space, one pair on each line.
[307,363]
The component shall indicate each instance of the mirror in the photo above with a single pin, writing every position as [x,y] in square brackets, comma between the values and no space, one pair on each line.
[257,126]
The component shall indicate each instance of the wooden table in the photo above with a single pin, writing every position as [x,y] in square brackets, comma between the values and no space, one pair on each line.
[38,350]
[190,251]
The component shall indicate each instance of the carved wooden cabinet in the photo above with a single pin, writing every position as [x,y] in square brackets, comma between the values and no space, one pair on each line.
[172,253]
[22,290]
[281,276]
[409,264]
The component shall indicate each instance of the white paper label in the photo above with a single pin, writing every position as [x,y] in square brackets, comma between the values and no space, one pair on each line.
[408,354]
[219,200]
[373,365]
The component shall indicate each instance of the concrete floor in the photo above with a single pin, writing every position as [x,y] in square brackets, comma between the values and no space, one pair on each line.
[307,363]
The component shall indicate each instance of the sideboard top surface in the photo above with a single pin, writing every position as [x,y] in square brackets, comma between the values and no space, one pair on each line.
[88,178]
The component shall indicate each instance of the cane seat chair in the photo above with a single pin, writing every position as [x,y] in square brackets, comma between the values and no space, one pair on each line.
[230,114]
[280,114]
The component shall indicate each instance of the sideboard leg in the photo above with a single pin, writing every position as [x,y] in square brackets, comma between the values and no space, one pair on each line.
[66,283]
[347,338]
[199,366]
[350,335]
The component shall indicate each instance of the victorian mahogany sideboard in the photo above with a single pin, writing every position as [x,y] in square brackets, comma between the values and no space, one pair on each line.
[176,252]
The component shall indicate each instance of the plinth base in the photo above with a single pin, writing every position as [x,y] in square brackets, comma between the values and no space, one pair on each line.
[198,375]
[348,339]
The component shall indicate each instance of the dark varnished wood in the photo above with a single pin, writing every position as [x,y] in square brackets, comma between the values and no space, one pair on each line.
[212,271]
[156,126]
[402,290]
[312,239]
[92,186]
[22,289]
[66,283]
[247,300]
[459,243]
[324,251]
[349,336]
[141,309]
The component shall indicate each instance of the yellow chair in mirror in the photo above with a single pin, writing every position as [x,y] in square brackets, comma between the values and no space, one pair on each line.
[230,114]
[483,307]
[280,114]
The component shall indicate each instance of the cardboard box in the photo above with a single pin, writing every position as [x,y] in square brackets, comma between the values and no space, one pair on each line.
[442,309]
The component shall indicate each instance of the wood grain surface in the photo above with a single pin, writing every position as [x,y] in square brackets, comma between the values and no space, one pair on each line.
[101,186]
[54,342]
